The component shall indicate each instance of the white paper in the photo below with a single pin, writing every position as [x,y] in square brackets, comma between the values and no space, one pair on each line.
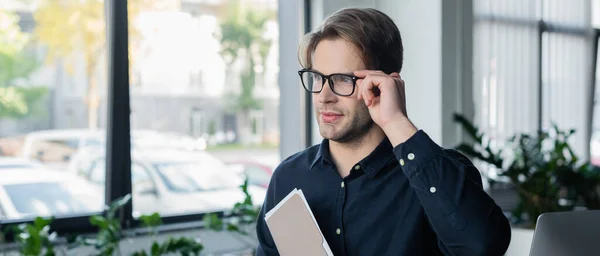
[299,192]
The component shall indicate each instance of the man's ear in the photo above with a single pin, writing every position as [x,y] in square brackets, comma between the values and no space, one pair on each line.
[395,74]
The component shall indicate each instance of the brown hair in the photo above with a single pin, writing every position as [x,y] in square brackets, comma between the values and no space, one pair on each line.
[371,31]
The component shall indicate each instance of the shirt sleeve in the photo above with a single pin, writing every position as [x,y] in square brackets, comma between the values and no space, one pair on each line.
[464,217]
[266,245]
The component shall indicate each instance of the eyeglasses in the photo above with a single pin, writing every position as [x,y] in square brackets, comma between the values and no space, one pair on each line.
[340,84]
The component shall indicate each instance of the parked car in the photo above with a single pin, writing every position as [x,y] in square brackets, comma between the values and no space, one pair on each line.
[258,174]
[38,192]
[18,162]
[170,181]
[151,138]
[55,147]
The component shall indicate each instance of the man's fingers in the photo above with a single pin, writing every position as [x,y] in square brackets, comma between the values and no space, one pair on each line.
[366,89]
[364,73]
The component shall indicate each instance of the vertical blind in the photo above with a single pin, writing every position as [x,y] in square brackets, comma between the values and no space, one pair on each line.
[507,48]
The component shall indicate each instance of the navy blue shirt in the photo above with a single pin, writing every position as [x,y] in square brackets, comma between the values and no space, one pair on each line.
[414,199]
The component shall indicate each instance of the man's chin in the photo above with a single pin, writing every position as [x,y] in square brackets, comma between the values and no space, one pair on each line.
[328,132]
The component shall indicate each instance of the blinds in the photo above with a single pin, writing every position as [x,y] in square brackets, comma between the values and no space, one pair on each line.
[507,51]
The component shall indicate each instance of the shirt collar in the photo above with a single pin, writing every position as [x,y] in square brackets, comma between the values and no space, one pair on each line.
[371,164]
[378,159]
[322,154]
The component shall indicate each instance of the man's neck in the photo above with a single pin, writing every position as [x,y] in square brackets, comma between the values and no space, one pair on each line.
[345,155]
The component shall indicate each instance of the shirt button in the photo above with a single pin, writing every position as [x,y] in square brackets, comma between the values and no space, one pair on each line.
[342,184]
[338,231]
[411,156]
[357,167]
[402,162]
[432,189]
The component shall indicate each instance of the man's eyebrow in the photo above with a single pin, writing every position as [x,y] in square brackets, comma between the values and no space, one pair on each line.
[350,73]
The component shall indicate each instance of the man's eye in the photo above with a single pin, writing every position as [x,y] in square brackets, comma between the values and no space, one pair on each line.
[343,79]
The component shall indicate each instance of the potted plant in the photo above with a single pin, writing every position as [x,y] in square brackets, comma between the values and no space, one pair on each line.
[38,239]
[542,169]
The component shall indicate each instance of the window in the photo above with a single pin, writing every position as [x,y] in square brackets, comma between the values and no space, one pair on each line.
[58,198]
[531,62]
[197,101]
[52,105]
[196,81]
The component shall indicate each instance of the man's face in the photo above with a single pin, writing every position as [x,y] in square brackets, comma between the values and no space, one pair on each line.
[341,118]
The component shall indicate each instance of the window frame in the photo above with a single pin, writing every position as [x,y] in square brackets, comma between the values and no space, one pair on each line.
[118,143]
[544,27]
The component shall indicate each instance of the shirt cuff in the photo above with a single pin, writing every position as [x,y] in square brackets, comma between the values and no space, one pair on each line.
[415,152]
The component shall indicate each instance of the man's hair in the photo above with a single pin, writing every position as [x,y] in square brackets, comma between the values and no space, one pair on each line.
[372,32]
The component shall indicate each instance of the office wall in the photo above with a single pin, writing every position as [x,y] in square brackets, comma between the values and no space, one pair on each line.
[291,107]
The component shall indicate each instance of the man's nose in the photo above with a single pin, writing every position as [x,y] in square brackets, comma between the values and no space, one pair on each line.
[327,95]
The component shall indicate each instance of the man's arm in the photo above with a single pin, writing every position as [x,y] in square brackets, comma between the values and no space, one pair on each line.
[466,220]
[266,245]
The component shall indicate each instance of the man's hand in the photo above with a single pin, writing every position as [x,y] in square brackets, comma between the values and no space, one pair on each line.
[388,109]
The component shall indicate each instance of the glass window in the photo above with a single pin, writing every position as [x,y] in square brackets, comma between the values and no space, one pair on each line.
[595,139]
[97,174]
[258,175]
[53,88]
[202,99]
[58,199]
[190,177]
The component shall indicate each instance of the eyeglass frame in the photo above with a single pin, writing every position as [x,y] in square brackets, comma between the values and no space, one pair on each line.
[330,82]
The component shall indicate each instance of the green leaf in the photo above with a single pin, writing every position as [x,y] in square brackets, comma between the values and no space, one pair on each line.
[213,222]
[156,250]
[107,251]
[50,251]
[99,221]
[118,204]
[153,220]
[469,127]
[40,222]
[183,245]
[140,253]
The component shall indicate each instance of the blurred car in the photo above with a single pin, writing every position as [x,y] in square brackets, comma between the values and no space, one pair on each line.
[38,192]
[257,174]
[154,139]
[172,182]
[18,162]
[54,148]
[59,145]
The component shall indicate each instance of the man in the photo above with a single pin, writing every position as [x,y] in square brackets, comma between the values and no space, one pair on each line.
[376,184]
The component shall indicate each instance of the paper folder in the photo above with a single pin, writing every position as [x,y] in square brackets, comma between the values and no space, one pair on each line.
[295,229]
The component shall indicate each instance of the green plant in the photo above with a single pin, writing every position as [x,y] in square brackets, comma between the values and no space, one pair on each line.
[36,238]
[110,231]
[17,99]
[243,213]
[151,221]
[182,245]
[546,173]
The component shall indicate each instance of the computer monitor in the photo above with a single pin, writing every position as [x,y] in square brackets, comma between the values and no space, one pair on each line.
[567,234]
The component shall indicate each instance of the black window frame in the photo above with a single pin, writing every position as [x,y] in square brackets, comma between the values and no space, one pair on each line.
[118,143]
